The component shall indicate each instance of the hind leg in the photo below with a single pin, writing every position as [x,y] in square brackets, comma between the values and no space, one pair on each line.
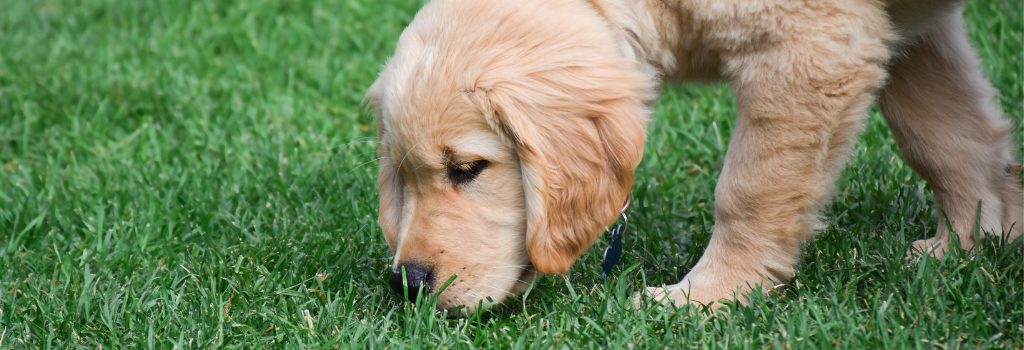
[951,132]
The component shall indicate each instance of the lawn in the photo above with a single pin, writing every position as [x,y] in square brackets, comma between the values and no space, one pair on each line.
[200,174]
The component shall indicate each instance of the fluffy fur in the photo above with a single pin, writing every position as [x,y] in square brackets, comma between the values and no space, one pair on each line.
[551,96]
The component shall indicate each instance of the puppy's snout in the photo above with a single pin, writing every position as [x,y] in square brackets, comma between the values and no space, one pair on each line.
[418,278]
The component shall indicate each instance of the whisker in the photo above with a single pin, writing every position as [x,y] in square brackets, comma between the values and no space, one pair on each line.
[476,293]
[365,139]
[360,155]
[521,267]
[408,152]
[513,265]
[361,165]
[511,278]
[497,288]
[412,148]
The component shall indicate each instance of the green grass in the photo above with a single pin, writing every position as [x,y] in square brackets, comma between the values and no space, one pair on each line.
[199,174]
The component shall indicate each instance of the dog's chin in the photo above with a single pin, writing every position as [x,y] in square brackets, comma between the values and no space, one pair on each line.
[456,310]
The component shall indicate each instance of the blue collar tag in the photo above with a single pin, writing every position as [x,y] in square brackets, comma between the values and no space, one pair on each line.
[613,253]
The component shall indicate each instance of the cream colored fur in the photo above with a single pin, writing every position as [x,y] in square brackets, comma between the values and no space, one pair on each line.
[553,95]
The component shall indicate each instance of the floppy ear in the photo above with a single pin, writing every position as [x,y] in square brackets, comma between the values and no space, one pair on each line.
[579,133]
[389,180]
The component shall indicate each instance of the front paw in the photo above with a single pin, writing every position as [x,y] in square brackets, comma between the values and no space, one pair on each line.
[707,291]
[684,293]
[676,295]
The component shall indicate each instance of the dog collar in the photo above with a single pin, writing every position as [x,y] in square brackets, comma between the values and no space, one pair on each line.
[613,253]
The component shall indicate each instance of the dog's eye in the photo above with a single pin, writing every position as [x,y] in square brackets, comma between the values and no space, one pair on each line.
[465,172]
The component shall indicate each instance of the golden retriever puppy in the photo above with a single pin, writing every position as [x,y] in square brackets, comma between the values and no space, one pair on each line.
[509,130]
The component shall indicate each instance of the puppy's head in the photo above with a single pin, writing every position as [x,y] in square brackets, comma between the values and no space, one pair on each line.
[508,134]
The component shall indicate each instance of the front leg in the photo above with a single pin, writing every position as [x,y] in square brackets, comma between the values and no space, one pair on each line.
[801,101]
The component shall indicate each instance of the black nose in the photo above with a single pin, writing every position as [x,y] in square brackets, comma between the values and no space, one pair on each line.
[417,278]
